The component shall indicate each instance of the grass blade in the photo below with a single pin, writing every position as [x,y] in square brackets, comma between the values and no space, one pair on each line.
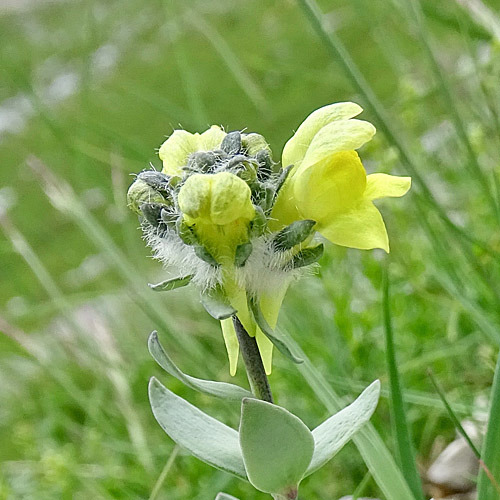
[197,107]
[369,443]
[117,377]
[452,415]
[361,486]
[482,15]
[446,92]
[488,488]
[404,444]
[484,468]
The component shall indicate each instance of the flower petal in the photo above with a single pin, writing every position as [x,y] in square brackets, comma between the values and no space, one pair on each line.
[296,147]
[194,197]
[270,305]
[175,150]
[382,185]
[211,138]
[231,341]
[230,199]
[341,135]
[285,209]
[265,349]
[362,227]
[332,186]
[220,199]
[238,300]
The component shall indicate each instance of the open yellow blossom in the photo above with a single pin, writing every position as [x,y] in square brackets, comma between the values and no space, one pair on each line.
[328,182]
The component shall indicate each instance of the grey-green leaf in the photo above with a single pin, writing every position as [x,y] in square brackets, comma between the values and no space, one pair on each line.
[216,303]
[151,212]
[225,496]
[277,447]
[185,233]
[268,332]
[282,178]
[171,284]
[210,387]
[293,234]
[334,433]
[202,253]
[242,253]
[307,256]
[202,435]
[259,222]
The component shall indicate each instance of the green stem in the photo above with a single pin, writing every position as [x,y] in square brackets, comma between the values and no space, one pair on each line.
[253,363]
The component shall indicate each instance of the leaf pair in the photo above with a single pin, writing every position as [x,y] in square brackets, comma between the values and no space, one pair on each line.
[273,449]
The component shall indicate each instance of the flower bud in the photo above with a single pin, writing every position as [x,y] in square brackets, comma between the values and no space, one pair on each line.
[265,162]
[231,144]
[202,161]
[157,180]
[243,167]
[141,192]
[151,212]
[253,143]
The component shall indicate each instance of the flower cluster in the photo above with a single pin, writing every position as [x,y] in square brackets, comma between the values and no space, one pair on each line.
[240,227]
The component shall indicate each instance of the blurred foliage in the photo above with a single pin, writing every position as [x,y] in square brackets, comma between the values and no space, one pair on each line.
[90,89]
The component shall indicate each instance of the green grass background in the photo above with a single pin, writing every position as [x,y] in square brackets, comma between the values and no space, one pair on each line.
[90,89]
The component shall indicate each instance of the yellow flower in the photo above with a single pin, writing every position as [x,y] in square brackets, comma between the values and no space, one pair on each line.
[328,182]
[218,208]
[220,214]
[174,152]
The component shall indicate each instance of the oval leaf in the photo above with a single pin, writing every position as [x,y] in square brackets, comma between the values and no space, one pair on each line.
[334,433]
[171,284]
[277,447]
[210,387]
[225,496]
[202,435]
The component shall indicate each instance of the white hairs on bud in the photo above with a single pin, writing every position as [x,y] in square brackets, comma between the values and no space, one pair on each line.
[266,270]
[173,252]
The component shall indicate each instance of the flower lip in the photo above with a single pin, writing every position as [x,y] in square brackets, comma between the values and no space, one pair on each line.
[296,147]
[218,198]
